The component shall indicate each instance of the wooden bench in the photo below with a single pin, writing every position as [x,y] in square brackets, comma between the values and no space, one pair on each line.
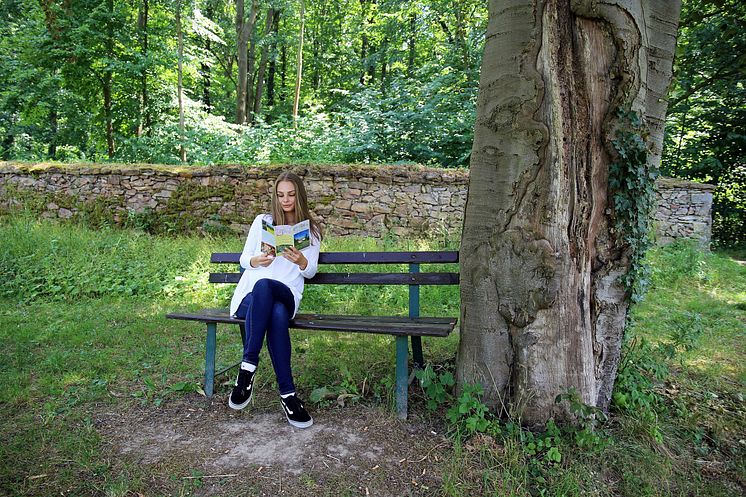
[400,327]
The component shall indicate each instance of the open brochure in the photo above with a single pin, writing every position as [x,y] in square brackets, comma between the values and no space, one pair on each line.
[275,239]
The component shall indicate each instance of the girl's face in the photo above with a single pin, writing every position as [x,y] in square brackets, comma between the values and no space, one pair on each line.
[286,196]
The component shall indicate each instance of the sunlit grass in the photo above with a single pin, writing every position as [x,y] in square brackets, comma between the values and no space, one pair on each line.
[705,292]
[66,354]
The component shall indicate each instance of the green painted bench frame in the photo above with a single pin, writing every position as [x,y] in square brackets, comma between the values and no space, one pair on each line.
[400,327]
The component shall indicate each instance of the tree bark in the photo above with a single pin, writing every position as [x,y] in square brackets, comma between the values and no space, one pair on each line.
[144,118]
[411,41]
[273,61]
[542,306]
[244,29]
[283,71]
[263,65]
[299,65]
[205,69]
[251,62]
[180,82]
[53,128]
[107,84]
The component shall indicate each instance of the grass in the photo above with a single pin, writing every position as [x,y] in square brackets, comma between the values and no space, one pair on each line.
[81,320]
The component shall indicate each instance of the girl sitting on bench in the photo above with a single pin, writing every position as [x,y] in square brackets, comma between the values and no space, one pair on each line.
[269,293]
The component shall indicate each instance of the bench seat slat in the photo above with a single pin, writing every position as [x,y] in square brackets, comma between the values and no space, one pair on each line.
[361,278]
[389,325]
[361,257]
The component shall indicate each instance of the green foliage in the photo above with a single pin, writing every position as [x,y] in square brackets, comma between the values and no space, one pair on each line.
[632,184]
[705,139]
[587,432]
[43,261]
[383,81]
[646,364]
[469,414]
[437,386]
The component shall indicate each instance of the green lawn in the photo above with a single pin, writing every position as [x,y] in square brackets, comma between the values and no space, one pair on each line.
[81,320]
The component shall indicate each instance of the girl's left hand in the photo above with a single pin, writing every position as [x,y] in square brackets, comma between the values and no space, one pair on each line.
[296,257]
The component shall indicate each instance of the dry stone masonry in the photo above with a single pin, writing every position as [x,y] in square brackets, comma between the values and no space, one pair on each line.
[349,199]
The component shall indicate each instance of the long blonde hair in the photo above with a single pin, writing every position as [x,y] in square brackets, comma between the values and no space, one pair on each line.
[301,203]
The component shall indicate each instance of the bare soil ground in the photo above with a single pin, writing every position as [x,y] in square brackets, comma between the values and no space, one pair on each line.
[200,447]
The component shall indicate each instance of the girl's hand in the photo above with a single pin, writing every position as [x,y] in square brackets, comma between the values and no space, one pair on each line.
[296,257]
[261,260]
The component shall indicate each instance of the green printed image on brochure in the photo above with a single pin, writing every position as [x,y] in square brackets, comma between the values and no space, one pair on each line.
[275,239]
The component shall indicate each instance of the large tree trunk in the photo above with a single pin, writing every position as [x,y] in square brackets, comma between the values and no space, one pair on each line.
[543,308]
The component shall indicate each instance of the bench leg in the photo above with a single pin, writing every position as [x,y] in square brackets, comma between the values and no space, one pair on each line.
[419,362]
[402,383]
[210,359]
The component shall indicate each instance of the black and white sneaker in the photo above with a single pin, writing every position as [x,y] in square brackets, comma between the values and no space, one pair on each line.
[296,412]
[243,389]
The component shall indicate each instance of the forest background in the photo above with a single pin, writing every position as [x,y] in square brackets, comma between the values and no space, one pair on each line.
[371,81]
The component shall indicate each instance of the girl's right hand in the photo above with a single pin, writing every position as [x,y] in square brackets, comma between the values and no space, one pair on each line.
[261,260]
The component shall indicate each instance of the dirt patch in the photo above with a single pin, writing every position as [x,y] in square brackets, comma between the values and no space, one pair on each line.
[209,449]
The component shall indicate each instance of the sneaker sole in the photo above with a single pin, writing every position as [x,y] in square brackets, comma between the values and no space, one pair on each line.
[299,424]
[238,407]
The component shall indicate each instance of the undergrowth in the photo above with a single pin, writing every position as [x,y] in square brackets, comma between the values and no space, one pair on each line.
[664,412]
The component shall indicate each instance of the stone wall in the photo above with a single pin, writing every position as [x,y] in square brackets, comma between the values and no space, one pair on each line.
[348,199]
[684,211]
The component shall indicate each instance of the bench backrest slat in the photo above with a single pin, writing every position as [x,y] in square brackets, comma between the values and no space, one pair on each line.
[361,278]
[362,257]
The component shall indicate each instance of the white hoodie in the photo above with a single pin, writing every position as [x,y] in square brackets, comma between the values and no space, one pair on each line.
[280,269]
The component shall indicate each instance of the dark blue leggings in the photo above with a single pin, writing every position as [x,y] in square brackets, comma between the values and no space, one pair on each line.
[268,309]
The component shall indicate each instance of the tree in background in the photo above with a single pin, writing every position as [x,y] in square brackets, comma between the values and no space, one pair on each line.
[706,128]
[567,140]
[106,80]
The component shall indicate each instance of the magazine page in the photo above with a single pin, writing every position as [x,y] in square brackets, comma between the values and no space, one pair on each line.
[302,234]
[268,239]
[283,238]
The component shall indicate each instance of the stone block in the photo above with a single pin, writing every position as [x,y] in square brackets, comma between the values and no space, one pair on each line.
[360,207]
[342,204]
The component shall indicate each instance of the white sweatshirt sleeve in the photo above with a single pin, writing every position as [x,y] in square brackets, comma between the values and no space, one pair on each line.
[252,245]
[312,255]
